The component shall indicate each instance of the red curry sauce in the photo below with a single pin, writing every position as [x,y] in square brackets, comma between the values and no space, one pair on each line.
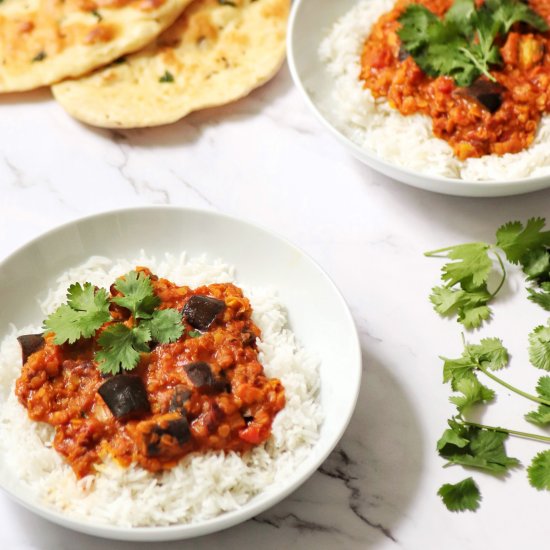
[470,129]
[59,384]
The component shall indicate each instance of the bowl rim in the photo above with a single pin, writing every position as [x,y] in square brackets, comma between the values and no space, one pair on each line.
[452,186]
[261,502]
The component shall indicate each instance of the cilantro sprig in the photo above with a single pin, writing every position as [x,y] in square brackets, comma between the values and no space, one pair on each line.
[462,44]
[477,445]
[88,309]
[465,292]
[468,443]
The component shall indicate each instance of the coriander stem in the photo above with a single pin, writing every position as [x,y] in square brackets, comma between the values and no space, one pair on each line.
[503,273]
[446,249]
[511,432]
[481,68]
[512,388]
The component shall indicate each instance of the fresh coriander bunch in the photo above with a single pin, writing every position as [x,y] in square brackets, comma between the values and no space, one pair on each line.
[465,293]
[478,446]
[464,43]
[87,314]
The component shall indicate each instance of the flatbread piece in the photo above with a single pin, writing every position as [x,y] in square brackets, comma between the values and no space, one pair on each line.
[216,52]
[44,41]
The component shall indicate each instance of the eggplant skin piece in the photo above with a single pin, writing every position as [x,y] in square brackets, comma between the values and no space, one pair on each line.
[164,435]
[125,395]
[30,343]
[200,311]
[200,374]
[180,396]
[488,94]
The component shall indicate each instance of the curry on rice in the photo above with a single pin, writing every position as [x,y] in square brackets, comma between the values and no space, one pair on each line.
[486,118]
[204,391]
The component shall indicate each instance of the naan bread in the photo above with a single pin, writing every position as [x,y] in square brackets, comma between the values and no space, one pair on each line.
[216,52]
[44,41]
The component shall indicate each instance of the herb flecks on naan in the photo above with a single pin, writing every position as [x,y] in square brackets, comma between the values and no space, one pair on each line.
[215,53]
[45,41]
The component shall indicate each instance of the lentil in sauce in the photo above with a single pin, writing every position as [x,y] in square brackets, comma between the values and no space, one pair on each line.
[470,129]
[206,391]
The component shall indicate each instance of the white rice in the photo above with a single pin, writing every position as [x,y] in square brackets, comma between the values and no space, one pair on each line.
[202,485]
[407,141]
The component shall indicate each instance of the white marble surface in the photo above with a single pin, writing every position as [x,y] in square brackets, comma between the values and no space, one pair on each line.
[266,160]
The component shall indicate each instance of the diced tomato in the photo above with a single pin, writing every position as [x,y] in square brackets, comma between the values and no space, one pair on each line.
[254,434]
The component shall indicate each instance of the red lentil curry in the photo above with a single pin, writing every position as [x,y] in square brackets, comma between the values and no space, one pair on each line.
[470,127]
[204,391]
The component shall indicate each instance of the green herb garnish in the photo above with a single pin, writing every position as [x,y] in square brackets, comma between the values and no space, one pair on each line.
[40,56]
[227,3]
[97,15]
[462,44]
[167,77]
[465,293]
[475,447]
[471,444]
[194,334]
[539,471]
[87,310]
[461,496]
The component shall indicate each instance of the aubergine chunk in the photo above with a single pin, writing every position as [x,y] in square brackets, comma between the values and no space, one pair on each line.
[30,343]
[180,396]
[200,374]
[125,395]
[201,311]
[488,94]
[163,435]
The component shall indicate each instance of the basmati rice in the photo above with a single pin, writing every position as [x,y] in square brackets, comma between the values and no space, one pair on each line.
[201,486]
[407,141]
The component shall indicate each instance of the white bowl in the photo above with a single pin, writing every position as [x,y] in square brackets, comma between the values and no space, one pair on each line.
[317,314]
[310,21]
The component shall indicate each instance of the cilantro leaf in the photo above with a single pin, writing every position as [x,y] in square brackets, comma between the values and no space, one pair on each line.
[461,496]
[489,353]
[165,325]
[470,272]
[472,317]
[541,298]
[473,392]
[541,416]
[536,263]
[138,294]
[485,449]
[470,307]
[121,347]
[86,311]
[473,264]
[415,22]
[517,241]
[462,12]
[539,347]
[452,436]
[508,12]
[538,471]
[455,370]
